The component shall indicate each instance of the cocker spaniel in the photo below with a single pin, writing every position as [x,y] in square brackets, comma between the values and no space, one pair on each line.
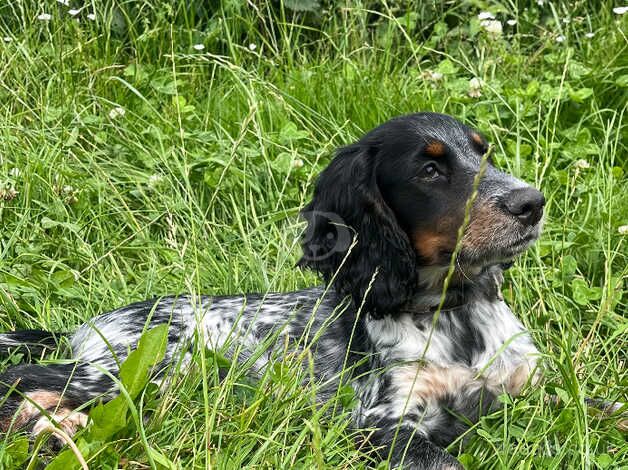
[382,228]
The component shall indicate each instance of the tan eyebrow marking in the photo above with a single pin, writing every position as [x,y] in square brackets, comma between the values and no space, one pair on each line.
[435,149]
[477,139]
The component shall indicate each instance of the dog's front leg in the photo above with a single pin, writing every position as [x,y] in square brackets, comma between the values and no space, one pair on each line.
[402,445]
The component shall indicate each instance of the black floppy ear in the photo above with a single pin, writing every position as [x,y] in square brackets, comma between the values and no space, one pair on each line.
[348,207]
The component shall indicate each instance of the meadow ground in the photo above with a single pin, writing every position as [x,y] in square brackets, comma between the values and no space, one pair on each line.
[149,149]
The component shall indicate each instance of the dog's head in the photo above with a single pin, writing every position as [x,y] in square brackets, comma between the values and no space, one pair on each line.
[394,201]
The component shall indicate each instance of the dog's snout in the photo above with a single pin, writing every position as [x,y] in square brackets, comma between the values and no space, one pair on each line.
[526,204]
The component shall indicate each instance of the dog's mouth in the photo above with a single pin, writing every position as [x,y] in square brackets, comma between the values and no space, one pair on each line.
[522,244]
[473,259]
[501,249]
[486,242]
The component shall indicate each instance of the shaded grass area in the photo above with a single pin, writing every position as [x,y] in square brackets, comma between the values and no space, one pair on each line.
[134,164]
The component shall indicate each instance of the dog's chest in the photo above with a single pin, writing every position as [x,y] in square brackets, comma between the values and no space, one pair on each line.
[483,336]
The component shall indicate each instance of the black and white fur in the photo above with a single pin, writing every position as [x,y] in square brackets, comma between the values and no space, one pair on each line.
[382,226]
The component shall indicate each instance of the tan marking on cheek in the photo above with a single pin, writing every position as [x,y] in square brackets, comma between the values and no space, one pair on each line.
[435,149]
[429,245]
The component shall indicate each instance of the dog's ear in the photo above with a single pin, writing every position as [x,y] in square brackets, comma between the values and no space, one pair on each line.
[348,214]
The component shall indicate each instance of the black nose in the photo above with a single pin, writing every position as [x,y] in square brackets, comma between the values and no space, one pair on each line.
[526,204]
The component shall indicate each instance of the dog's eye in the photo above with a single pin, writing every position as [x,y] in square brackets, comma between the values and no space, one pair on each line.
[429,172]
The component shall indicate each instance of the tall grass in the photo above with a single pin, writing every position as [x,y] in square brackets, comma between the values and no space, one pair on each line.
[134,164]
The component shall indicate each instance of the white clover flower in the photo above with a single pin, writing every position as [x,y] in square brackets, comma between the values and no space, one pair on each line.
[475,85]
[116,112]
[298,163]
[431,76]
[7,39]
[492,27]
[560,38]
[486,15]
[198,47]
[620,10]
[252,47]
[589,35]
[91,16]
[540,2]
[623,229]
[511,22]
[74,12]
[582,164]
[44,17]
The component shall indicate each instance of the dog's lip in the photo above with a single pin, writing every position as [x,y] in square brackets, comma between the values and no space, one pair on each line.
[496,254]
[503,254]
[526,240]
[516,248]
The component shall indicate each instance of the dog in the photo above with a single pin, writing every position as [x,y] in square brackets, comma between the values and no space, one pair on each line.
[410,315]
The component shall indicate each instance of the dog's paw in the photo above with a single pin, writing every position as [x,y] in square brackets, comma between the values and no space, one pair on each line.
[62,425]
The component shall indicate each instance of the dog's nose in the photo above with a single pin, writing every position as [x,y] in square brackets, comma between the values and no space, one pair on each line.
[526,204]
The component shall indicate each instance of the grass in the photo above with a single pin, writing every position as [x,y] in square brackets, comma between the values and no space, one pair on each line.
[194,184]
